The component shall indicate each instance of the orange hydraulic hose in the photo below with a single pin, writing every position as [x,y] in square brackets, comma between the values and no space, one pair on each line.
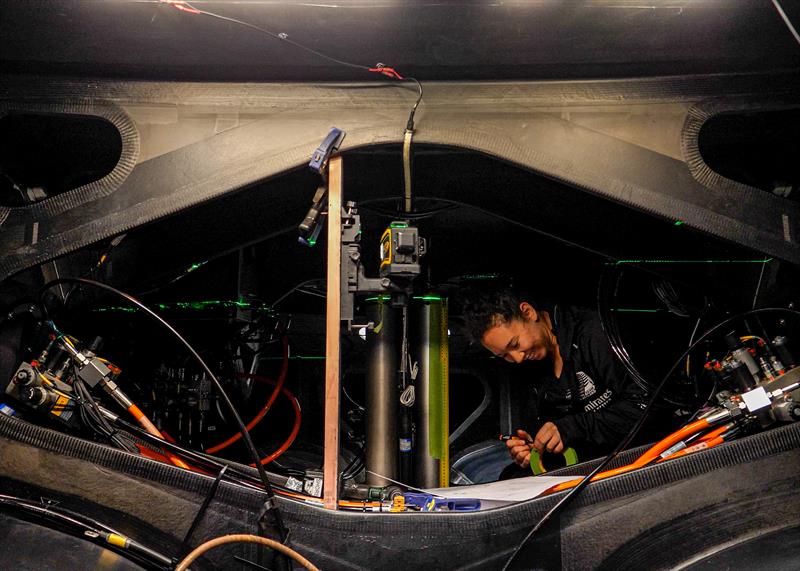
[265,409]
[142,419]
[651,454]
[704,445]
[671,440]
[716,432]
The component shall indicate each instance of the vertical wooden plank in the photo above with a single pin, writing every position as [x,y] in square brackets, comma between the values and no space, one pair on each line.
[332,335]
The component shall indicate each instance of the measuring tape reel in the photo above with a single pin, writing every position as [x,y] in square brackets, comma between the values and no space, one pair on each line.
[570,457]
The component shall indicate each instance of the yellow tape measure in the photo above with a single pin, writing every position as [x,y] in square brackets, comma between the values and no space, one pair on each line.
[444,356]
[570,457]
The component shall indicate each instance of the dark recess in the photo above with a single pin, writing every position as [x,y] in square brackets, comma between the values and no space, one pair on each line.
[43,155]
[759,149]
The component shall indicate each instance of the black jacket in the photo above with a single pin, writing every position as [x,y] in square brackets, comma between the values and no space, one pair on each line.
[594,403]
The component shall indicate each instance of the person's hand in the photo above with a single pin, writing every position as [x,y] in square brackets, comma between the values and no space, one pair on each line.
[548,439]
[520,449]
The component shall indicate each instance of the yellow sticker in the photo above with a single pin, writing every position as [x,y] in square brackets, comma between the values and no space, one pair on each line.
[58,408]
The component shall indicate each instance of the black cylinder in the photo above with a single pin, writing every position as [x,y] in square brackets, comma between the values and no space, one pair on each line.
[781,346]
[382,398]
[732,340]
[740,376]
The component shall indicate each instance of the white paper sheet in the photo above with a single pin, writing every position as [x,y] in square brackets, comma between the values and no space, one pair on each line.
[516,490]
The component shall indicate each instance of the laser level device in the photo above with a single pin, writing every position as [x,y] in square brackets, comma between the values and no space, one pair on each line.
[401,249]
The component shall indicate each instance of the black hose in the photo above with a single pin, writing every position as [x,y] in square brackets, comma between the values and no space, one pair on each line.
[242,429]
[200,459]
[91,530]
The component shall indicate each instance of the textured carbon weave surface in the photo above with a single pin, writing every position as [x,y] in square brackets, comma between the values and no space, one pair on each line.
[524,123]
[88,106]
[480,539]
[699,114]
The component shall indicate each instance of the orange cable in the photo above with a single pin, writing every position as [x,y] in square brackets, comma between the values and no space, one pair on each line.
[651,454]
[151,428]
[704,445]
[714,433]
[238,538]
[655,451]
[295,428]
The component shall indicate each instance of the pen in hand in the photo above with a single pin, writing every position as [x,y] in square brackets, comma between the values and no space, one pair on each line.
[507,437]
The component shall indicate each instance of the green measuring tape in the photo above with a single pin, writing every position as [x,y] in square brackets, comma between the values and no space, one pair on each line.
[570,456]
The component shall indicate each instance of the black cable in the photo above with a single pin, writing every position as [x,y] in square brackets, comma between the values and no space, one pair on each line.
[513,222]
[205,461]
[285,38]
[22,308]
[410,122]
[354,466]
[417,215]
[94,419]
[88,529]
[294,289]
[180,276]
[636,427]
[185,548]
[280,37]
[242,429]
[610,325]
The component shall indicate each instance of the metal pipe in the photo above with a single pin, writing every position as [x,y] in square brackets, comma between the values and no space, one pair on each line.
[381,394]
[431,407]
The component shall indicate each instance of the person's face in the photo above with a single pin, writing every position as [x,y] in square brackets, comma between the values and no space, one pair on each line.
[520,340]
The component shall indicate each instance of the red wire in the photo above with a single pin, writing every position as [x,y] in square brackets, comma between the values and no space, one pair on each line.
[379,68]
[387,71]
[265,409]
[298,417]
[181,5]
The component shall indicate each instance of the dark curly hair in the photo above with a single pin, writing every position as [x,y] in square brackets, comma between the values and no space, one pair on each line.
[484,308]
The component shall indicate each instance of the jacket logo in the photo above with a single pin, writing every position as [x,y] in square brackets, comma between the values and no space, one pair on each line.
[586,386]
[599,402]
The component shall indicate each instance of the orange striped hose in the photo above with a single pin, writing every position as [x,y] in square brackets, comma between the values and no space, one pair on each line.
[651,454]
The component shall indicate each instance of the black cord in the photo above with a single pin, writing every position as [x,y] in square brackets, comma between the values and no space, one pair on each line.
[212,491]
[173,280]
[410,122]
[354,467]
[282,37]
[417,215]
[242,429]
[94,419]
[87,528]
[200,459]
[610,325]
[632,434]
[22,308]
[294,289]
